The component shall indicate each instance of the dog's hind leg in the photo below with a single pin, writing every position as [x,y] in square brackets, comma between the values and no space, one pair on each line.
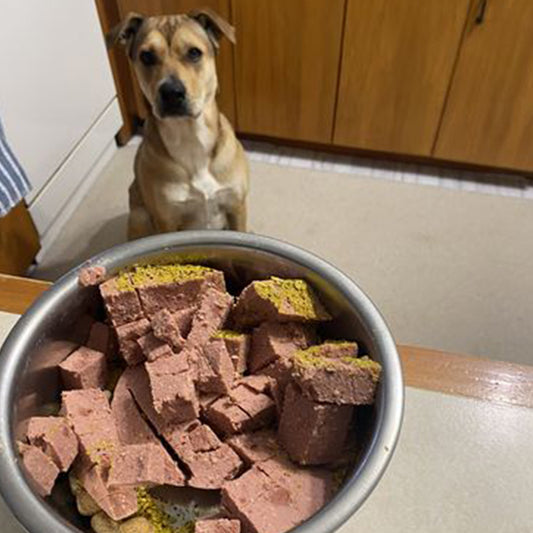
[139,222]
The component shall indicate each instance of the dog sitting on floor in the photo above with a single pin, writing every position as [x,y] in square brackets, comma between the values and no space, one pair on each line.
[190,170]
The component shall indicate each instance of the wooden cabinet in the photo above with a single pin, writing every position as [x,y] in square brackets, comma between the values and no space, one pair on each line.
[226,98]
[286,66]
[489,115]
[398,58]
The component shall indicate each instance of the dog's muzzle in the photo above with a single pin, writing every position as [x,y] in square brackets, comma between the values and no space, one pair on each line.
[173,98]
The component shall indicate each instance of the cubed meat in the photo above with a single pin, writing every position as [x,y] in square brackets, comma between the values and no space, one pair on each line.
[220,525]
[89,414]
[121,300]
[344,381]
[278,300]
[172,387]
[313,433]
[274,496]
[84,369]
[127,335]
[140,465]
[215,372]
[55,438]
[238,346]
[255,447]
[166,328]
[118,503]
[91,275]
[174,287]
[210,461]
[243,410]
[273,341]
[102,339]
[153,348]
[210,316]
[40,468]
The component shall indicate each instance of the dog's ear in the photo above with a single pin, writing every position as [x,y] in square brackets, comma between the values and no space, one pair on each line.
[214,25]
[124,32]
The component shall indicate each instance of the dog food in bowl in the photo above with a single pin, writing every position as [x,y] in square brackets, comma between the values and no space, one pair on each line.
[187,387]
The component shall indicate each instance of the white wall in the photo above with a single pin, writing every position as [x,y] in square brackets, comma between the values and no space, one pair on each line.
[55,80]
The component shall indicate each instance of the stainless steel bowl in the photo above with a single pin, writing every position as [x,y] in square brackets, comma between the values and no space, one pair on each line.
[28,359]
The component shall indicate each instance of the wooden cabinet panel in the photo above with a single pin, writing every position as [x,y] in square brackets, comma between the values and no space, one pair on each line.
[489,115]
[286,66]
[19,241]
[226,97]
[398,57]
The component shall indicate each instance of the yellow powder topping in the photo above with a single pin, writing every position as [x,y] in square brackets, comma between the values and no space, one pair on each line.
[227,334]
[159,274]
[295,293]
[366,363]
[149,509]
[313,357]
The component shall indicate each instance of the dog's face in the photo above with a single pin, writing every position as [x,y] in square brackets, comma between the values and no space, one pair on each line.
[174,59]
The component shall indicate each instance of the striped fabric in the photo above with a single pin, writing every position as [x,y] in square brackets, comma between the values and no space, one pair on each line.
[14,184]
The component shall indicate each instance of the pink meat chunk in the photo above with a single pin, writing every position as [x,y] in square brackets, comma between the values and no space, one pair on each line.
[220,525]
[274,496]
[215,373]
[210,316]
[172,386]
[258,383]
[89,414]
[102,339]
[178,295]
[55,438]
[210,461]
[144,465]
[313,433]
[238,346]
[277,300]
[127,335]
[257,405]
[343,381]
[84,369]
[131,426]
[280,372]
[255,447]
[153,348]
[122,306]
[166,328]
[243,410]
[40,468]
[272,341]
[92,275]
[118,502]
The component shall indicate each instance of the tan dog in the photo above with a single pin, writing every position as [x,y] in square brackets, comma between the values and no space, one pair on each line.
[190,170]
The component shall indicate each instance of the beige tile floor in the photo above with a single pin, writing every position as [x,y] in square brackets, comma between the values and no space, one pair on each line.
[461,466]
[448,268]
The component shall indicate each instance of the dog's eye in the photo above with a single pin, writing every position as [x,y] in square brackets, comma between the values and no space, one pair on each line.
[194,54]
[148,58]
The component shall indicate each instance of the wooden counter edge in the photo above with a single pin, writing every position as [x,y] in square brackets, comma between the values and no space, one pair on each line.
[423,368]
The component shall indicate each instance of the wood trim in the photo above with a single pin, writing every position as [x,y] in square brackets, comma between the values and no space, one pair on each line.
[465,375]
[17,294]
[423,368]
[19,240]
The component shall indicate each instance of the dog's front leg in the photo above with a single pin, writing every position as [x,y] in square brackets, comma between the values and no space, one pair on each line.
[139,220]
[237,217]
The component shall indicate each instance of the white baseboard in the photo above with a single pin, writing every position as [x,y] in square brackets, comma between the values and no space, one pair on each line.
[52,209]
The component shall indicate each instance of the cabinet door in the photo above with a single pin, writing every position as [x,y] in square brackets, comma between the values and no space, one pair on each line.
[489,115]
[226,97]
[398,57]
[286,66]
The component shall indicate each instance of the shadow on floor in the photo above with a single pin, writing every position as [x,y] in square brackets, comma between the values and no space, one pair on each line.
[113,232]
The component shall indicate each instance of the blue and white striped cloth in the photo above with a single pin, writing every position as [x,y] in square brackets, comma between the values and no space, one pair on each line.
[14,184]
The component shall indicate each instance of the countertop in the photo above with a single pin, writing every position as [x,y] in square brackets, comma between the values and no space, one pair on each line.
[464,460]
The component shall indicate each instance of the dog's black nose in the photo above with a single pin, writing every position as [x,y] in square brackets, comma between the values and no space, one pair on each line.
[172,93]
